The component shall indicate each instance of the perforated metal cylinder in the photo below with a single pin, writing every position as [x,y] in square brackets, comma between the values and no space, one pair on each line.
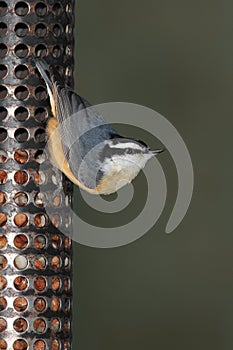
[35,257]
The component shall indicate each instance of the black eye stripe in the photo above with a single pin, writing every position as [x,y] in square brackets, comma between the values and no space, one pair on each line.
[109,152]
[133,151]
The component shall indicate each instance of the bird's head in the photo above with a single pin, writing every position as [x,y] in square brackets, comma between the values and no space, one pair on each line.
[121,161]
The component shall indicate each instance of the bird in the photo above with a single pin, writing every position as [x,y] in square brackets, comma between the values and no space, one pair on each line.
[83,145]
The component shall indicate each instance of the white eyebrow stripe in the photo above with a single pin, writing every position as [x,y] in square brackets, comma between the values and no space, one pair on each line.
[124,145]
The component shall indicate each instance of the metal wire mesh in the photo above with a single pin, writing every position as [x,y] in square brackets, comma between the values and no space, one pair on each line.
[35,258]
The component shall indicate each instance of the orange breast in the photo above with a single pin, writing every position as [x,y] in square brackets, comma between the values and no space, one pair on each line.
[57,154]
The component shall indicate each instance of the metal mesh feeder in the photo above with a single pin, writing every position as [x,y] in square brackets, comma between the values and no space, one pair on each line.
[35,257]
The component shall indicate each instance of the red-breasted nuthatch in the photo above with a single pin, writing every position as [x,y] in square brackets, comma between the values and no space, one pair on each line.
[100,161]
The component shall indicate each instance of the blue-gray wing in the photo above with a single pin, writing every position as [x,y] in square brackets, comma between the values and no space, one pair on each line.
[83,132]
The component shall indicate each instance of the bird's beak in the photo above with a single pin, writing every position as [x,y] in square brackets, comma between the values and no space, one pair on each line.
[157,151]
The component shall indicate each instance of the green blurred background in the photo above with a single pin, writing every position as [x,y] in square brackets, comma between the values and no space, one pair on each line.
[163,291]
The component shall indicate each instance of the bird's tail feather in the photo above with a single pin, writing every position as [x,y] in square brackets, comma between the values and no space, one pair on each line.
[43,68]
